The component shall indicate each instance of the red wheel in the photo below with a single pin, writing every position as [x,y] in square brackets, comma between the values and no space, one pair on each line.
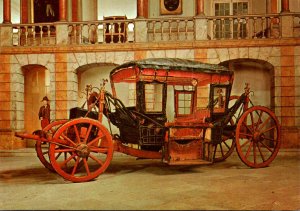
[78,141]
[258,137]
[224,149]
[42,149]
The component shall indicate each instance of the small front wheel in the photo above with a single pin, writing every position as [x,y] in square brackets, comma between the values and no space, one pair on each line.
[258,137]
[82,150]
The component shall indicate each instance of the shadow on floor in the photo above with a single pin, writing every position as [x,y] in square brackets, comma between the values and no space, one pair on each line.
[29,175]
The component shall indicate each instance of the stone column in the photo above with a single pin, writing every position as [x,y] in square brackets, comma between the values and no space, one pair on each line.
[146,8]
[286,20]
[74,10]
[62,29]
[200,22]
[62,10]
[6,29]
[200,7]
[24,11]
[285,6]
[274,6]
[6,11]
[140,9]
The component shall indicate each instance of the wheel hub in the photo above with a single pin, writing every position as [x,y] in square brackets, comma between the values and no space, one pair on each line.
[83,150]
[257,137]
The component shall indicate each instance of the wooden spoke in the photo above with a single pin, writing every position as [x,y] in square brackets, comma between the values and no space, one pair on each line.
[254,152]
[96,159]
[221,150]
[64,150]
[252,121]
[88,133]
[95,140]
[215,150]
[261,154]
[67,160]
[266,146]
[264,123]
[244,144]
[270,139]
[86,167]
[66,138]
[99,150]
[228,147]
[259,119]
[75,166]
[57,156]
[77,134]
[249,150]
[269,129]
[247,127]
[246,134]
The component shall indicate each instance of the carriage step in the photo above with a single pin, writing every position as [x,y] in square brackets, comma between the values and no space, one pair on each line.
[188,162]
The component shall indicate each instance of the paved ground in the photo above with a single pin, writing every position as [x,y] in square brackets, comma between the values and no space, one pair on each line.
[149,184]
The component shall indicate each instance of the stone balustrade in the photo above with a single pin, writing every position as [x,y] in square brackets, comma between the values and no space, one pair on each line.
[244,27]
[171,29]
[270,26]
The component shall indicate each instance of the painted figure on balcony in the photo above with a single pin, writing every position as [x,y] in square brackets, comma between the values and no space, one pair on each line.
[44,113]
[49,8]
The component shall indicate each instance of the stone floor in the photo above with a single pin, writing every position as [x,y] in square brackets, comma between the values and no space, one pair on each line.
[149,184]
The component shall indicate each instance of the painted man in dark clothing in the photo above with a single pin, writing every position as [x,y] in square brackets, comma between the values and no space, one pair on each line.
[44,113]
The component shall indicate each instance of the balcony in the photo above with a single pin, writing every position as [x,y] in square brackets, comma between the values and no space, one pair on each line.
[94,34]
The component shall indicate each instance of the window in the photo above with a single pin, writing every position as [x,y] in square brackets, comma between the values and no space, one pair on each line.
[184,100]
[226,28]
[154,97]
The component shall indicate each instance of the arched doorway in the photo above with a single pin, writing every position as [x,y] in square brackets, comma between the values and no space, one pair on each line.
[36,86]
[93,74]
[259,74]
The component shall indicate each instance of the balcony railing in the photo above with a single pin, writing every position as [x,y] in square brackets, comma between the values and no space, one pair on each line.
[244,27]
[33,34]
[99,32]
[172,29]
[270,26]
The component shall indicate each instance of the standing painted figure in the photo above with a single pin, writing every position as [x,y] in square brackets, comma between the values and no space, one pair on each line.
[44,113]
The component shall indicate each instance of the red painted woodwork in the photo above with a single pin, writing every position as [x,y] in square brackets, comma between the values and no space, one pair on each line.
[200,7]
[140,8]
[62,10]
[285,6]
[75,10]
[6,11]
[24,11]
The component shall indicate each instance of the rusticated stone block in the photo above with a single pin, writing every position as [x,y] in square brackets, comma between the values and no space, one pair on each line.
[287,61]
[61,67]
[61,114]
[140,55]
[288,71]
[288,121]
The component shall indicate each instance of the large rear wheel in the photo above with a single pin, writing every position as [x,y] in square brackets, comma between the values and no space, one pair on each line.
[79,141]
[258,137]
